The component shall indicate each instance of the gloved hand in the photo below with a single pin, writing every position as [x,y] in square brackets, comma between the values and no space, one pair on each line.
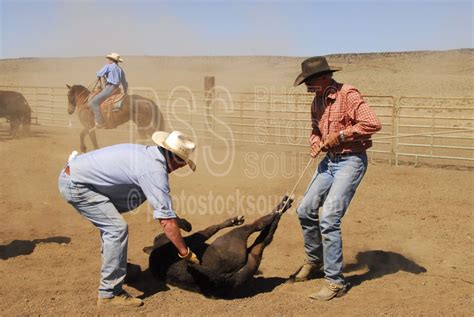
[190,257]
[331,140]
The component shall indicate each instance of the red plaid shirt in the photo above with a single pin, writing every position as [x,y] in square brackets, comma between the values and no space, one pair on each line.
[345,110]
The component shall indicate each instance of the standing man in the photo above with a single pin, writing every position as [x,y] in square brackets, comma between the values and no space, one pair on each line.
[104,183]
[114,77]
[342,124]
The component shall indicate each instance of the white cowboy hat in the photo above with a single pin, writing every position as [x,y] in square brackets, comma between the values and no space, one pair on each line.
[115,56]
[177,143]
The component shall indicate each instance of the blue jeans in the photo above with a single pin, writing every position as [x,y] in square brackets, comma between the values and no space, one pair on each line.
[331,188]
[98,99]
[99,210]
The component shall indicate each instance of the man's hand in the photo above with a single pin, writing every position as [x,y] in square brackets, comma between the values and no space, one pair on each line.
[316,148]
[190,257]
[171,230]
[316,144]
[331,140]
[313,138]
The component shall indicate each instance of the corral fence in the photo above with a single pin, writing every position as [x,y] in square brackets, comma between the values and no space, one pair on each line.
[266,117]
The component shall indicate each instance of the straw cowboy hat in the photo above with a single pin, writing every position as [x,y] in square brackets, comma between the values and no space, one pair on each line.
[313,66]
[177,143]
[115,57]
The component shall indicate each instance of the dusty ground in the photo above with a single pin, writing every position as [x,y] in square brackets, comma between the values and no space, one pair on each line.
[403,221]
[408,236]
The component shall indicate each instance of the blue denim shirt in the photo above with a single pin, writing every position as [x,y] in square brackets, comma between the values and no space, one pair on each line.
[128,174]
[115,75]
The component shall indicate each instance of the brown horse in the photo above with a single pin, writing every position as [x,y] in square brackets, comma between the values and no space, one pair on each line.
[143,111]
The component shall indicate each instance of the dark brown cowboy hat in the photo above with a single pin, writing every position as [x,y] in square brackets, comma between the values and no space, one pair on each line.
[313,66]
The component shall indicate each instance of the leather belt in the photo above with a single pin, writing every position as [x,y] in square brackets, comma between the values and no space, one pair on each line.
[67,170]
[333,155]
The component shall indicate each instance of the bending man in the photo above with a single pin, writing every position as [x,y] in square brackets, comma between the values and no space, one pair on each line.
[103,183]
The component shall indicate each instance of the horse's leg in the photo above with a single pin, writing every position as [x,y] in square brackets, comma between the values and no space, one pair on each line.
[93,139]
[81,136]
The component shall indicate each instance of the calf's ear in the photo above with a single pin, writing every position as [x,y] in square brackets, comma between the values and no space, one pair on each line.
[184,224]
[148,250]
[68,87]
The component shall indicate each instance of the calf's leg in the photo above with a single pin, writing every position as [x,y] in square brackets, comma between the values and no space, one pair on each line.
[212,282]
[255,252]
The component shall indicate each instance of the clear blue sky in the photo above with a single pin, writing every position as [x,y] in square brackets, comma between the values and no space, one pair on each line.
[295,28]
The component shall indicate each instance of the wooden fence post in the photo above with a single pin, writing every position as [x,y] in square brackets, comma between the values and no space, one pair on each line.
[209,94]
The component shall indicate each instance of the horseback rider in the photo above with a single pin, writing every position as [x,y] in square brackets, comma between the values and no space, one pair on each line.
[115,76]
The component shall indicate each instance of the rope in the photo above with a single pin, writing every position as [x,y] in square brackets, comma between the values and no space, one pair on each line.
[292,192]
[380,138]
[417,134]
[88,88]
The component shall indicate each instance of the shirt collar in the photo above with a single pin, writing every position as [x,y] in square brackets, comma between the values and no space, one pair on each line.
[333,90]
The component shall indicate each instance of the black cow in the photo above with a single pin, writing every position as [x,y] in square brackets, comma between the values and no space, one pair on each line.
[15,108]
[226,264]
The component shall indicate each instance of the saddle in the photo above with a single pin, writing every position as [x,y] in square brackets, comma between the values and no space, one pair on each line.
[112,104]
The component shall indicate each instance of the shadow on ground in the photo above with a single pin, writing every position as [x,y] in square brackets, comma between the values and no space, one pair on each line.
[143,281]
[26,247]
[257,285]
[146,283]
[380,263]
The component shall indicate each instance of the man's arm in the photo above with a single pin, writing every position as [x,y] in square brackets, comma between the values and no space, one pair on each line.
[171,230]
[156,189]
[103,71]
[315,139]
[124,83]
[366,121]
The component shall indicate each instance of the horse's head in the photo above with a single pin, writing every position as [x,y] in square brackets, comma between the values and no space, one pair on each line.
[71,98]
[76,94]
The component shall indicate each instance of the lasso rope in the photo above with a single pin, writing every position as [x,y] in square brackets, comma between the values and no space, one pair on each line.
[292,192]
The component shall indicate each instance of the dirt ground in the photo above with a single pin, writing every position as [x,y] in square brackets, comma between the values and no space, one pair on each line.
[408,237]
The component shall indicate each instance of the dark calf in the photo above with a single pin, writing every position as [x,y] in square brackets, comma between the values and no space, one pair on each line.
[226,264]
[15,108]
